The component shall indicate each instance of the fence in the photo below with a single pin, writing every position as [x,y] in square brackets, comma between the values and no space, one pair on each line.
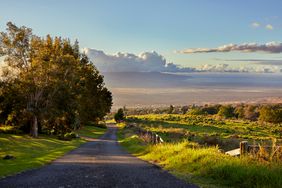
[147,136]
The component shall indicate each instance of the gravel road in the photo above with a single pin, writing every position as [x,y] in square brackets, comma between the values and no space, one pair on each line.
[98,163]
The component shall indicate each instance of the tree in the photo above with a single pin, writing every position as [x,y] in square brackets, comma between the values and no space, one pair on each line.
[56,84]
[171,109]
[251,112]
[184,109]
[240,112]
[119,116]
[226,111]
[271,114]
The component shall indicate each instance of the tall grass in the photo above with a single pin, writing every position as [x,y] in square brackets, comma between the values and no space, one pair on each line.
[210,163]
[206,165]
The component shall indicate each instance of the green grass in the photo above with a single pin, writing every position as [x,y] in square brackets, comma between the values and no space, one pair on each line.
[34,152]
[91,131]
[204,166]
[175,127]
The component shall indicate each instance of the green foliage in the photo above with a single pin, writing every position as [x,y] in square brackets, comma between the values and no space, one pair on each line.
[197,111]
[240,112]
[211,109]
[68,136]
[272,114]
[251,112]
[226,111]
[48,85]
[119,116]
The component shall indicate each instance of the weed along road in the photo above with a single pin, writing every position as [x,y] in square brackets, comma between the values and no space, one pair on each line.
[98,163]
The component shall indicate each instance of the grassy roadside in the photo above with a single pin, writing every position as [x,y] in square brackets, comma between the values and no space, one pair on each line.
[91,131]
[34,152]
[204,166]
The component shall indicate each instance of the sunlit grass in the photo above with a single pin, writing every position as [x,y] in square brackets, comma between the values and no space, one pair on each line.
[91,131]
[205,166]
[31,152]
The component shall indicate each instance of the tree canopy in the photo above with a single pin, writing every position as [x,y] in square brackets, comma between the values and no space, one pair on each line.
[48,84]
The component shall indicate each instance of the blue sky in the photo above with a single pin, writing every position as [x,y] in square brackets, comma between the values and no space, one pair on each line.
[155,25]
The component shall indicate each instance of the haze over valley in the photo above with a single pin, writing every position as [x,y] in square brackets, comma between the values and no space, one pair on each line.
[141,89]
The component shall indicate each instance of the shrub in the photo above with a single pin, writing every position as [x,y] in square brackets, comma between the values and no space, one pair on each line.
[68,136]
[184,109]
[119,116]
[197,111]
[226,111]
[251,113]
[271,114]
[240,112]
[211,109]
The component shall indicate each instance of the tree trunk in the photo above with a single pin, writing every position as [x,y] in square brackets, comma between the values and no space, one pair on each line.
[34,127]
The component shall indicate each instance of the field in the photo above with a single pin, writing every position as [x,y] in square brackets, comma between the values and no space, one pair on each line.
[193,149]
[31,152]
[208,129]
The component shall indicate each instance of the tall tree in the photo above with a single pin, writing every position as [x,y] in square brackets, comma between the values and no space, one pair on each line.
[60,86]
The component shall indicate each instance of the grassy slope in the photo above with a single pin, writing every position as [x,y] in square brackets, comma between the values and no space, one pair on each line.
[34,152]
[204,166]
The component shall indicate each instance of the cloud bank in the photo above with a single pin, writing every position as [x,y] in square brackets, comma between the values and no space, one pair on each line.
[270,47]
[154,62]
[127,62]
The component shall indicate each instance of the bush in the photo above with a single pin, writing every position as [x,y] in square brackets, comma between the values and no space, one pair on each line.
[197,111]
[271,114]
[119,116]
[251,113]
[184,109]
[9,130]
[226,111]
[211,109]
[68,136]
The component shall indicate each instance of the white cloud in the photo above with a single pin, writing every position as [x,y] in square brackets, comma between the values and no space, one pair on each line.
[255,24]
[270,47]
[269,27]
[127,62]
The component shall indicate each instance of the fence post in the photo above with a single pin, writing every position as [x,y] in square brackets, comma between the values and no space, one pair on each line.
[243,148]
[154,138]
